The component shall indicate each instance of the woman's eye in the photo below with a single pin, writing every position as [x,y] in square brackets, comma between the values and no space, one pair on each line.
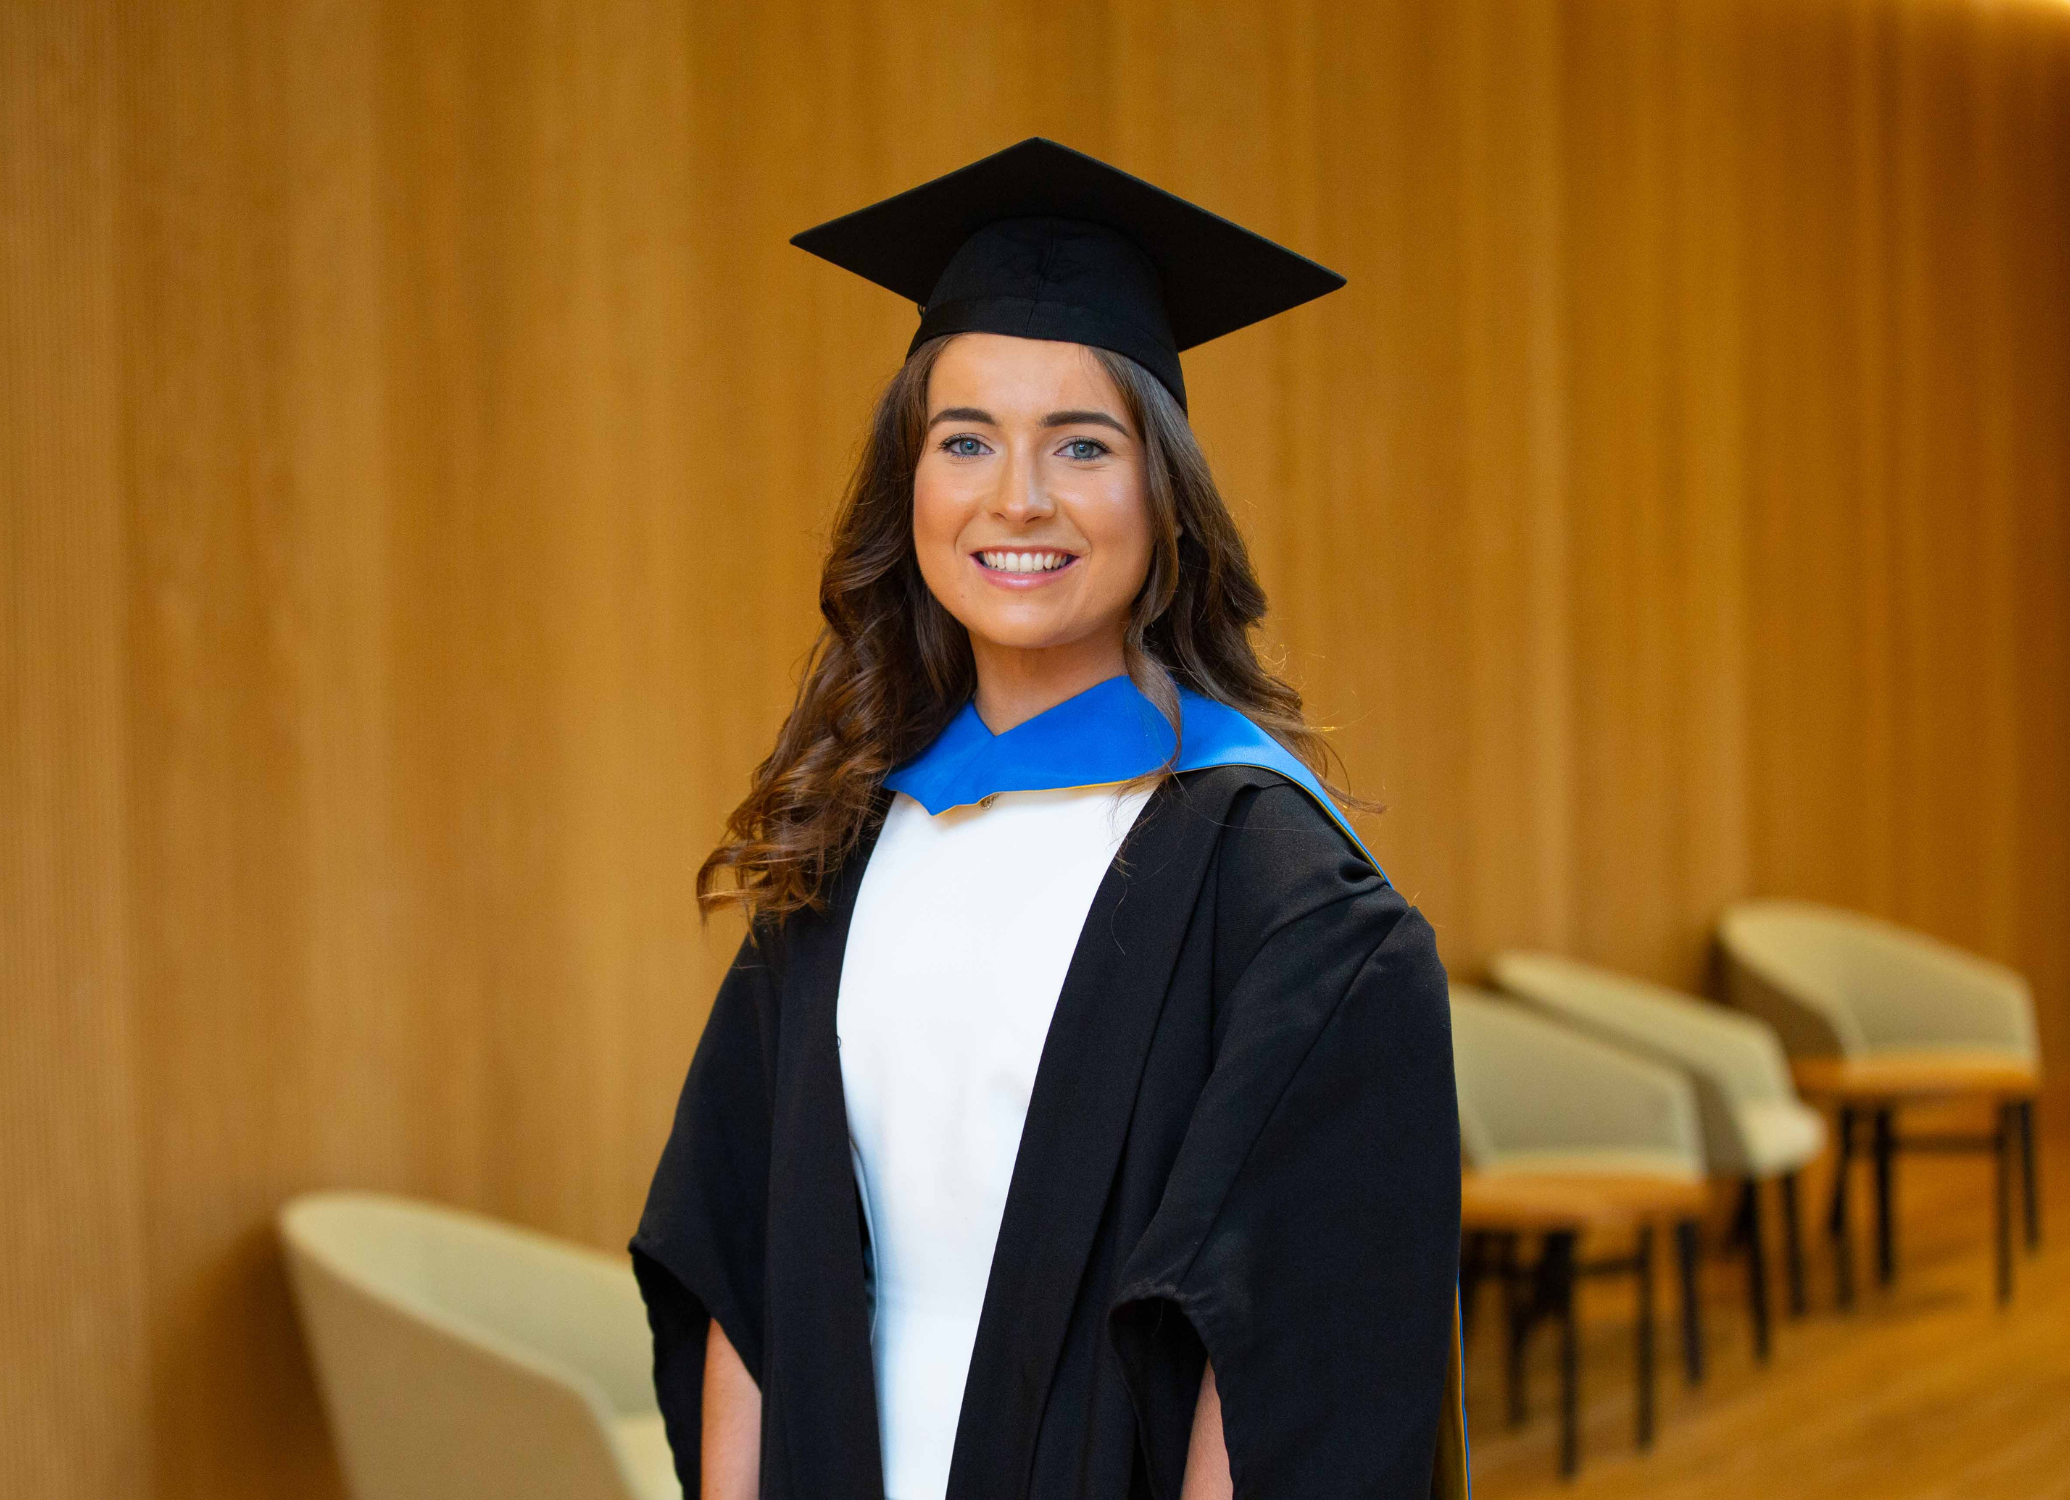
[1085,448]
[964,447]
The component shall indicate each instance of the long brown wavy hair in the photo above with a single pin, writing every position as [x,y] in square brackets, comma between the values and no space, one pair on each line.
[892,666]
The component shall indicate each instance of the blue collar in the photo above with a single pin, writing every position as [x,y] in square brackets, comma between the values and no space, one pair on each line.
[1108,734]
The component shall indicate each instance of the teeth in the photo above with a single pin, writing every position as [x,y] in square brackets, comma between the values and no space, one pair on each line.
[1025,562]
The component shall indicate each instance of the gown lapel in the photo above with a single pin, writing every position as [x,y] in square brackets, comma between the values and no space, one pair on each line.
[823,1439]
[1078,1115]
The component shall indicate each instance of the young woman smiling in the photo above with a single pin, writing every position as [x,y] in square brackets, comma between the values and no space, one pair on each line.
[1077,1119]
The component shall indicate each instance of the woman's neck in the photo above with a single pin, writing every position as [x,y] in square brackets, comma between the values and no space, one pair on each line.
[1015,683]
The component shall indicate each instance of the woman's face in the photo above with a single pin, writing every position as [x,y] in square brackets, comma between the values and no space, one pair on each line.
[1030,509]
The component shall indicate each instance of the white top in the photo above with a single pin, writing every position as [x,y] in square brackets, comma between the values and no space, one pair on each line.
[963,930]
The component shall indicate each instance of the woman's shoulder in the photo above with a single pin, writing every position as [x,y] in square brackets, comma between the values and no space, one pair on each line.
[1293,891]
[1270,821]
[1278,849]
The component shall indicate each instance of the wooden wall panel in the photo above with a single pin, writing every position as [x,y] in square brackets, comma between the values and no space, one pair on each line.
[418,441]
[75,1396]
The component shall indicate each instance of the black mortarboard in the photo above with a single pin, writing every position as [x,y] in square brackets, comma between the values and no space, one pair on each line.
[1044,242]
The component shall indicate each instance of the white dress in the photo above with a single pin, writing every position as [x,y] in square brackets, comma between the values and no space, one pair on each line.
[963,930]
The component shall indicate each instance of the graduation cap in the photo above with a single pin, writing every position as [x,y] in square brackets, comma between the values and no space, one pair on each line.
[1043,242]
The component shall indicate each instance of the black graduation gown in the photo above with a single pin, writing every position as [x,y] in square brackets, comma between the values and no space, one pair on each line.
[1242,1144]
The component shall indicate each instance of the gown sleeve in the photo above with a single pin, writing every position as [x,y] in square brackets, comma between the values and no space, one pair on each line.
[1308,1237]
[698,1253]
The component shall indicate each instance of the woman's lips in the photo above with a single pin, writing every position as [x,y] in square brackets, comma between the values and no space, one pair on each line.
[1022,567]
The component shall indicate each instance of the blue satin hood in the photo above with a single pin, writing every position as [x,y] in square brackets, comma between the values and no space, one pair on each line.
[1109,733]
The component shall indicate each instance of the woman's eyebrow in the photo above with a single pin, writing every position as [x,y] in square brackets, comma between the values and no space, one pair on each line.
[1083,418]
[962,414]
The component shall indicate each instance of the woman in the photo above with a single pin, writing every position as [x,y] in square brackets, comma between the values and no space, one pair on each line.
[1077,1119]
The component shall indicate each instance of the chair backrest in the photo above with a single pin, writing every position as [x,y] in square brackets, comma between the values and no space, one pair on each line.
[463,1359]
[1531,1089]
[1834,981]
[1734,1059]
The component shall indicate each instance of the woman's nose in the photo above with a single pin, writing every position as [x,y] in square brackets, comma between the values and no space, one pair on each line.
[1022,496]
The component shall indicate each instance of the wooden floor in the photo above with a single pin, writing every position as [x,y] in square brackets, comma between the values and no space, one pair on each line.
[1929,1389]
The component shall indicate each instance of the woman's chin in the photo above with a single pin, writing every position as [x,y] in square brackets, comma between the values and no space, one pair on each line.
[1018,633]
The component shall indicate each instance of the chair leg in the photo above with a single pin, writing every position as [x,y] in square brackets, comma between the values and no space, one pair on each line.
[1886,1210]
[2003,1157]
[1473,1264]
[2030,1177]
[1757,1266]
[1836,1223]
[1559,1257]
[1643,1268]
[1516,1326]
[1793,1244]
[1689,1261]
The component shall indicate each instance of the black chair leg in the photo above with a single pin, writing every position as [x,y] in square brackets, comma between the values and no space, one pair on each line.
[1793,1244]
[2003,1155]
[1836,1224]
[1642,1266]
[1886,1209]
[1516,1327]
[2030,1176]
[1473,1264]
[1559,1267]
[1757,1266]
[1689,1262]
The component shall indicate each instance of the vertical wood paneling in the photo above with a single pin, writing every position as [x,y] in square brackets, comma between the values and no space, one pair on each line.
[419,440]
[1518,743]
[2032,74]
[75,1396]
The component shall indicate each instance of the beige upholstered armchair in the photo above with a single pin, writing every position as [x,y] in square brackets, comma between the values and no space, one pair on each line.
[1755,1128]
[1567,1141]
[463,1359]
[1876,1017]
